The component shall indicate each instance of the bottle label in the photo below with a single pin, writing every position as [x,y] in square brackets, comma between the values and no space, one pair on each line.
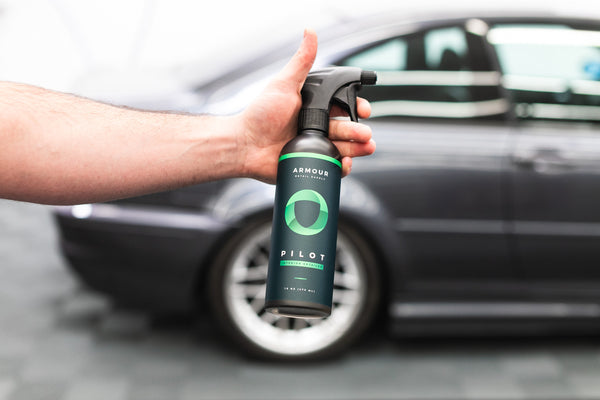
[303,240]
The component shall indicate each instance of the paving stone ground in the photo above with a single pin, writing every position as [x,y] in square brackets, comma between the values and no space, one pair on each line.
[58,341]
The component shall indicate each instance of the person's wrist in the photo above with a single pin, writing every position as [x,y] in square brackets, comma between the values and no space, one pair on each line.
[239,130]
[213,148]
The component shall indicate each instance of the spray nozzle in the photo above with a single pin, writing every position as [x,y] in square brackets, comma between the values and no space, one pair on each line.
[329,86]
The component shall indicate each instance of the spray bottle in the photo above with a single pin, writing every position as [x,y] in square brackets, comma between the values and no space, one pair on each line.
[304,235]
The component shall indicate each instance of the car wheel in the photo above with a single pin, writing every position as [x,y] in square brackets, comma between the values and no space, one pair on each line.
[237,284]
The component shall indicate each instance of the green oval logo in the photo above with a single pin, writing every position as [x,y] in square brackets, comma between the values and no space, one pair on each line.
[290,213]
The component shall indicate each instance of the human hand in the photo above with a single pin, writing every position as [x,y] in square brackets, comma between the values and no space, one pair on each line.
[271,120]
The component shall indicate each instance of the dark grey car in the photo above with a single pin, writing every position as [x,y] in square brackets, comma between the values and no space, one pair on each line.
[478,212]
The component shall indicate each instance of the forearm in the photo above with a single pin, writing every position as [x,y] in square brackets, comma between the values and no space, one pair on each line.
[61,149]
[72,150]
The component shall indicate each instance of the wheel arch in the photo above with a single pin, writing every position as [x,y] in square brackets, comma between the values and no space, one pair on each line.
[239,203]
[380,243]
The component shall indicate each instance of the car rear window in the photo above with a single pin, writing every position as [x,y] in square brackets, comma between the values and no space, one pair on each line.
[551,71]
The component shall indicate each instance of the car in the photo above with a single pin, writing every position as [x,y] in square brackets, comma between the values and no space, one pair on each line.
[478,213]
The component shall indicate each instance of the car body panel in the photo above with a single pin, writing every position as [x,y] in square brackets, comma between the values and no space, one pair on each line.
[444,185]
[555,184]
[143,257]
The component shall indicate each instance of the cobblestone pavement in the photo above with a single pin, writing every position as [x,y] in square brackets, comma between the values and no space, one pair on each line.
[58,341]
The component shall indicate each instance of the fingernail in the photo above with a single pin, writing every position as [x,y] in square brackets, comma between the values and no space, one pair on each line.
[307,30]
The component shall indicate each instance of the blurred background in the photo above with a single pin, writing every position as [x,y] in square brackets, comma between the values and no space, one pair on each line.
[493,204]
[80,42]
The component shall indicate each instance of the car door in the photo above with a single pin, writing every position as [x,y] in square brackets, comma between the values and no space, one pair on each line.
[440,165]
[553,73]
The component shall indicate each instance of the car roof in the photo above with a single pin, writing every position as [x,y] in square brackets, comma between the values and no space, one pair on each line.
[343,39]
[390,24]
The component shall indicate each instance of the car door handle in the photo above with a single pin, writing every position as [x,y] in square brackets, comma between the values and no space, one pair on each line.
[543,161]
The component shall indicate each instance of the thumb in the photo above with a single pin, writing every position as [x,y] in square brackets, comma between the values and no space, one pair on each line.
[300,64]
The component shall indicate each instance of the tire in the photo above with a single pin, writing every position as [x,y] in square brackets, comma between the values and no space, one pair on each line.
[237,283]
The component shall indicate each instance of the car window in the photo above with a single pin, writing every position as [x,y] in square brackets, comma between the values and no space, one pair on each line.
[431,74]
[551,71]
[445,49]
[389,56]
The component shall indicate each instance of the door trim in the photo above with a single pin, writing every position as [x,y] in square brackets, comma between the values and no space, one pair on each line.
[493,310]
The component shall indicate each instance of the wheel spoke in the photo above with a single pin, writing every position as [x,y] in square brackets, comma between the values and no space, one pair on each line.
[300,324]
[259,272]
[246,291]
[345,297]
[262,258]
[283,323]
[258,301]
[346,280]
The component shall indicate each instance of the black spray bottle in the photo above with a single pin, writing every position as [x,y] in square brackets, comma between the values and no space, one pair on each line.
[304,235]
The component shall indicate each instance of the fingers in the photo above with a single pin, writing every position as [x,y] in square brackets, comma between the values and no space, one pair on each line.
[352,139]
[346,166]
[363,108]
[348,130]
[354,149]
[300,64]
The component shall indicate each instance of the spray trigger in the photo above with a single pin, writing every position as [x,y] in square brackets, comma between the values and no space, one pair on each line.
[345,98]
[327,87]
